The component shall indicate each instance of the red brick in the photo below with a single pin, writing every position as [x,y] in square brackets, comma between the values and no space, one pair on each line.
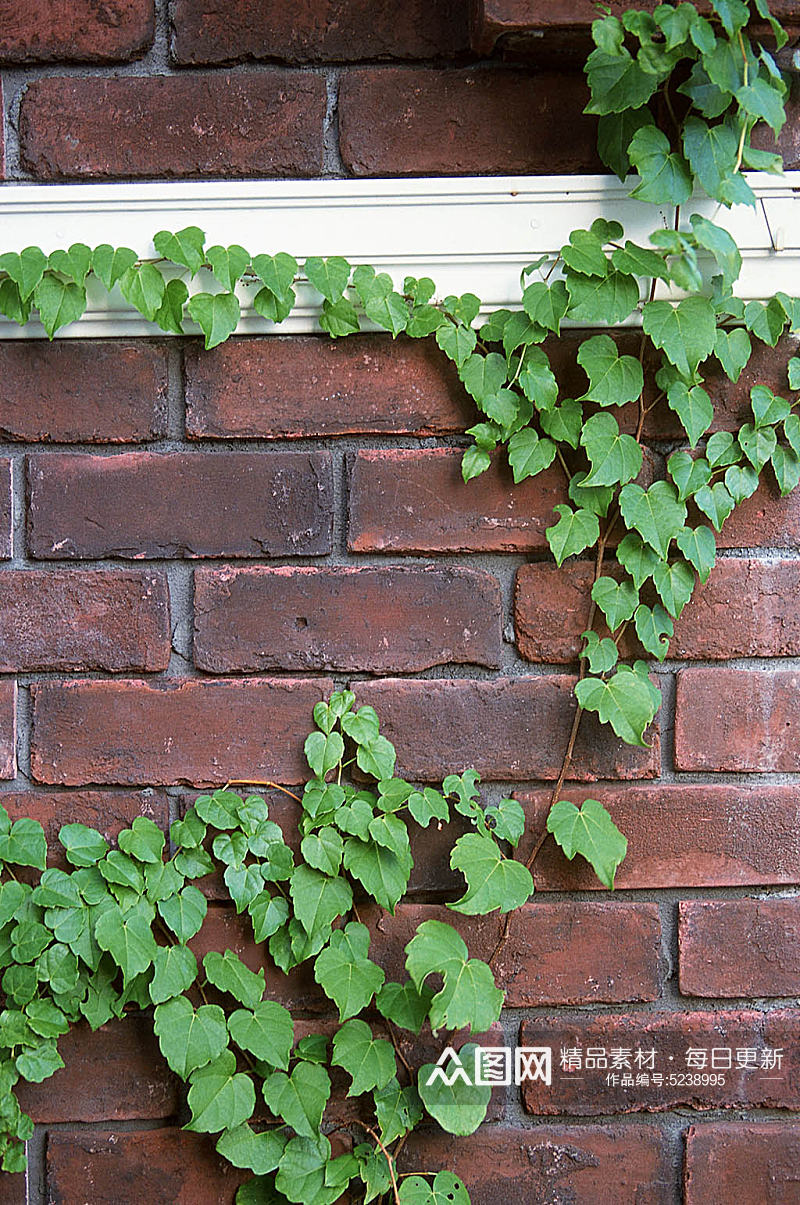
[8,728]
[546,1165]
[509,728]
[423,122]
[147,504]
[82,392]
[745,609]
[171,731]
[585,953]
[737,719]
[763,521]
[289,387]
[318,30]
[749,1162]
[585,1093]
[416,501]
[106,811]
[125,1167]
[740,947]
[41,31]
[268,124]
[788,143]
[680,835]
[6,509]
[114,1074]
[13,1189]
[383,620]
[69,619]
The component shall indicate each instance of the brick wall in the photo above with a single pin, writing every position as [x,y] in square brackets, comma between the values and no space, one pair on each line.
[196,546]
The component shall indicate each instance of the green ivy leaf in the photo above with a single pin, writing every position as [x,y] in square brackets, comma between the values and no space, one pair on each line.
[654,629]
[617,600]
[469,996]
[459,1107]
[26,268]
[426,805]
[563,423]
[614,457]
[228,264]
[640,261]
[299,1099]
[493,881]
[144,840]
[627,701]
[768,409]
[715,502]
[722,449]
[345,972]
[665,175]
[602,655]
[323,753]
[584,253]
[369,1061]
[693,407]
[328,276]
[589,831]
[220,1098]
[301,1175]
[398,1110]
[184,247]
[574,531]
[267,913]
[174,972]
[601,301]
[758,444]
[266,1031]
[457,342]
[545,304]
[741,482]
[506,820]
[169,314]
[685,331]
[377,757]
[110,263]
[143,287]
[529,454]
[403,1004]
[318,898]
[733,350]
[261,1153]
[656,513]
[217,315]
[59,302]
[38,1063]
[189,1039]
[763,102]
[766,321]
[688,473]
[675,584]
[637,558]
[228,973]
[184,913]
[382,874]
[786,466]
[446,1189]
[617,83]
[128,938]
[614,380]
[615,132]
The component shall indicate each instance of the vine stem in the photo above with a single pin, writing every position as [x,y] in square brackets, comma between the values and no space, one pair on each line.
[258,782]
[373,1134]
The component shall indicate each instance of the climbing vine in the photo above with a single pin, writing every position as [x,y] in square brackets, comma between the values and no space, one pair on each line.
[678,96]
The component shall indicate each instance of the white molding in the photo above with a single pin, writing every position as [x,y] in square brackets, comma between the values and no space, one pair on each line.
[469,234]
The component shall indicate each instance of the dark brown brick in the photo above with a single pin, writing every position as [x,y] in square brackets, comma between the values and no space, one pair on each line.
[318,30]
[283,387]
[585,1093]
[268,124]
[6,509]
[136,732]
[509,728]
[749,1162]
[416,501]
[106,811]
[8,728]
[154,1165]
[548,1165]
[384,620]
[745,609]
[147,504]
[82,392]
[737,719]
[114,1074]
[13,1189]
[423,122]
[788,143]
[585,953]
[75,620]
[740,947]
[681,835]
[41,31]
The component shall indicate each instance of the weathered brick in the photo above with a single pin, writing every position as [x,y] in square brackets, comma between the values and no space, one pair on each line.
[147,504]
[745,609]
[134,732]
[283,387]
[318,30]
[788,142]
[68,619]
[509,728]
[416,501]
[586,1165]
[82,392]
[749,1162]
[737,719]
[152,1165]
[763,521]
[106,811]
[8,728]
[423,122]
[6,509]
[585,1093]
[13,1189]
[681,835]
[269,124]
[384,620]
[585,953]
[116,1073]
[76,30]
[740,947]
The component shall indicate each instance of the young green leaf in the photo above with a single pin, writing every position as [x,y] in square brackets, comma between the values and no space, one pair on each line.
[529,454]
[614,380]
[404,1004]
[228,973]
[654,629]
[685,331]
[189,1039]
[693,407]
[267,1031]
[637,558]
[299,1099]
[602,655]
[656,513]
[627,701]
[220,1098]
[446,1189]
[614,457]
[345,972]
[456,1102]
[589,831]
[328,276]
[369,1061]
[617,600]
[217,315]
[184,247]
[493,881]
[675,584]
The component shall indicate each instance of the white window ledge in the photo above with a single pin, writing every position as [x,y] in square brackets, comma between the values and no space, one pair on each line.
[469,234]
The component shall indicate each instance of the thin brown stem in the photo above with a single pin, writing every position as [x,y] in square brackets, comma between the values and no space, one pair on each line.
[397,1049]
[373,1134]
[257,782]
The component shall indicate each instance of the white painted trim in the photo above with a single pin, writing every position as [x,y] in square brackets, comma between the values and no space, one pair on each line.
[473,233]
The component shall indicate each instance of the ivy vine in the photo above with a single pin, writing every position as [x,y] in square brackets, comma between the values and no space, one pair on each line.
[678,95]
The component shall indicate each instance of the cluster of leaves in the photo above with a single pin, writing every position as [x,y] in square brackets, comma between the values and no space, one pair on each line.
[114,932]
